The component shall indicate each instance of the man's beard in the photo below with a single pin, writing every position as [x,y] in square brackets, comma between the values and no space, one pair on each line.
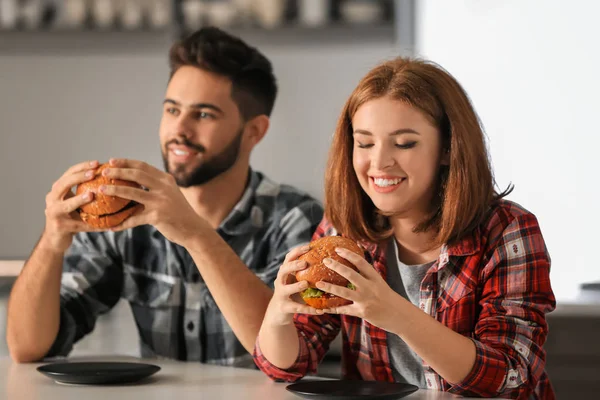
[207,170]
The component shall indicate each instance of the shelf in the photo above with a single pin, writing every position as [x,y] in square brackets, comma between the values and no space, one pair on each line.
[335,33]
[89,41]
[84,41]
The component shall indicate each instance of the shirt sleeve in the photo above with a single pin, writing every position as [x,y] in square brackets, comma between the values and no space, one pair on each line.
[315,333]
[294,229]
[92,282]
[511,330]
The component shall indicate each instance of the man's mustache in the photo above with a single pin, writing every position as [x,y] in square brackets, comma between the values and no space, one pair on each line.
[185,142]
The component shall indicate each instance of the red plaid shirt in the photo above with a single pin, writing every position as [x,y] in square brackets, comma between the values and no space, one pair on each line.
[493,287]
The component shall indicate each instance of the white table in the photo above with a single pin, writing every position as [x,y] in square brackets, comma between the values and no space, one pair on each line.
[176,380]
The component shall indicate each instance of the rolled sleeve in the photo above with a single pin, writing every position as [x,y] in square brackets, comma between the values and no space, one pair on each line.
[295,372]
[315,333]
[511,329]
[91,285]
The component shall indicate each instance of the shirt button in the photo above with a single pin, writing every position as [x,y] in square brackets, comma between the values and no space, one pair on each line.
[190,326]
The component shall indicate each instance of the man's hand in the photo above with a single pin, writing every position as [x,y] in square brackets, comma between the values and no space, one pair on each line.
[62,218]
[165,207]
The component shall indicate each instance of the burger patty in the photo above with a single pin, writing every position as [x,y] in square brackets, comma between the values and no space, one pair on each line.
[129,205]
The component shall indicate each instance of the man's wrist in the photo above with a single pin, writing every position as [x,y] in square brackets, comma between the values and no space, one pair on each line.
[196,240]
[54,246]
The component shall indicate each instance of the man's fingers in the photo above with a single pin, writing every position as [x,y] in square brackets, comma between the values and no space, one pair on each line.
[133,175]
[66,207]
[83,166]
[138,195]
[63,186]
[138,218]
[135,164]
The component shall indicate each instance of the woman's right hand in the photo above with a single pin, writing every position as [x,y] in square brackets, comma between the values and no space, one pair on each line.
[286,300]
[62,218]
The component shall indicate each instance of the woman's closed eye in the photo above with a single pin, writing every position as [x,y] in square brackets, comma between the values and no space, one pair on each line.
[407,145]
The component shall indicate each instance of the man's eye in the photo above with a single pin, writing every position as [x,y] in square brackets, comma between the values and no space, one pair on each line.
[203,115]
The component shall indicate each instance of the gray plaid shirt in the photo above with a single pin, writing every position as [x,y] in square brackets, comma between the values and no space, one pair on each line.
[174,311]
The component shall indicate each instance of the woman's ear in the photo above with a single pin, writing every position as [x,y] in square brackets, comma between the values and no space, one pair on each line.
[445,156]
[256,129]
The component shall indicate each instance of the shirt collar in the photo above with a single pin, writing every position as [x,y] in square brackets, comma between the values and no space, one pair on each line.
[245,216]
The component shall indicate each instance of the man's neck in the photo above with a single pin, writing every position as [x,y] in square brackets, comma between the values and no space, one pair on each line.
[215,199]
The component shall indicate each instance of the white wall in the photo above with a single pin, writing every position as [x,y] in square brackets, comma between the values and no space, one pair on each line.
[56,110]
[531,69]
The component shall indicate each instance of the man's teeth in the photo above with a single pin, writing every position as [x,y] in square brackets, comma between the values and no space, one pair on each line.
[387,182]
[180,152]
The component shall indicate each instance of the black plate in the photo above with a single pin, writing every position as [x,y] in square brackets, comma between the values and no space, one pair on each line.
[351,390]
[97,373]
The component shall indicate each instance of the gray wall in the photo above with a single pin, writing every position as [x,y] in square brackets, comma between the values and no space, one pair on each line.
[56,110]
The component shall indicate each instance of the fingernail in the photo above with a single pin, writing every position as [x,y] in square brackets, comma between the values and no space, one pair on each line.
[327,261]
[320,285]
[93,163]
[106,172]
[305,248]
[103,188]
[89,174]
[339,250]
[113,161]
[87,196]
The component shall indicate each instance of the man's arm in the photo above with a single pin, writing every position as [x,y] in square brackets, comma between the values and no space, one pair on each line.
[34,305]
[45,317]
[241,295]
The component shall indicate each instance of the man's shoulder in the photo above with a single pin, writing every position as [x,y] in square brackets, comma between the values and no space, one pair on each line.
[281,195]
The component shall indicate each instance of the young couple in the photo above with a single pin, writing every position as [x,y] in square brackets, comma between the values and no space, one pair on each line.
[451,293]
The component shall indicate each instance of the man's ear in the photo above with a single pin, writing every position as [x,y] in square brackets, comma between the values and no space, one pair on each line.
[256,129]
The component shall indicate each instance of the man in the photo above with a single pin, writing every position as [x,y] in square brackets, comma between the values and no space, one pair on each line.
[198,263]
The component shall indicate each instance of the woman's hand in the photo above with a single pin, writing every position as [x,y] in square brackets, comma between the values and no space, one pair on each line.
[286,300]
[373,299]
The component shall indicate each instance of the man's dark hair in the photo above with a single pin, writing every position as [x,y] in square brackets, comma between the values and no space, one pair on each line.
[254,87]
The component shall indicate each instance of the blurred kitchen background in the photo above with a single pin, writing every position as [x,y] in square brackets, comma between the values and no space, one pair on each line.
[84,79]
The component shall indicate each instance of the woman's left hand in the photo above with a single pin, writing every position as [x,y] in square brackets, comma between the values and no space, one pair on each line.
[373,299]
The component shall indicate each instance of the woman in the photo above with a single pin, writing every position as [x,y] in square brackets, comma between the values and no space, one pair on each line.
[455,286]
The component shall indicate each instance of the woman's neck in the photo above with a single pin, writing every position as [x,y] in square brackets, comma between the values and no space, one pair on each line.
[414,248]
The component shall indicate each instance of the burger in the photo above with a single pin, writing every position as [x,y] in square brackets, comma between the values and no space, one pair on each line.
[316,271]
[106,211]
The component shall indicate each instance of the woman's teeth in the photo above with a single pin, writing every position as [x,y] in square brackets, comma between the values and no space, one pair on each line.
[387,182]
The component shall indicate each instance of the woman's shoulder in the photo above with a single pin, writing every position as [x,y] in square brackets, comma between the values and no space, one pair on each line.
[506,219]
[504,212]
